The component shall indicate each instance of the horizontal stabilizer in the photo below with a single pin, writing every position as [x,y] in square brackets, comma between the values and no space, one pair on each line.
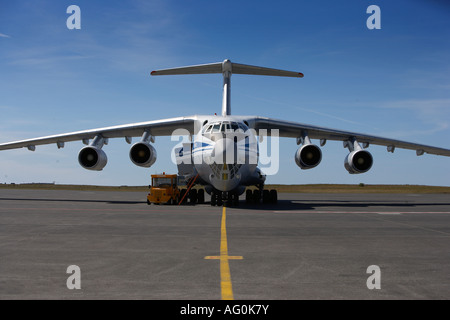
[198,69]
[261,71]
[227,66]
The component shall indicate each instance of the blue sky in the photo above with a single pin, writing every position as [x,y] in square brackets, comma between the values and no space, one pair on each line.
[392,82]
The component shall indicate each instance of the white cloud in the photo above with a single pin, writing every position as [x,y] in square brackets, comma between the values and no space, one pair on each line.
[432,110]
[433,113]
[2,35]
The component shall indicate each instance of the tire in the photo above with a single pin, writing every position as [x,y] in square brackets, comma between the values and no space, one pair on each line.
[182,193]
[256,196]
[219,199]
[235,200]
[248,196]
[193,196]
[273,196]
[201,196]
[266,196]
[213,199]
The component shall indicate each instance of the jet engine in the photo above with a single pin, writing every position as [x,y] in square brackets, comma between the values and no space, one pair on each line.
[143,154]
[308,156]
[358,161]
[92,158]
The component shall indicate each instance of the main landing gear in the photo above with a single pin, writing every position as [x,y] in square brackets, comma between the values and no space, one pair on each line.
[256,196]
[231,199]
[193,196]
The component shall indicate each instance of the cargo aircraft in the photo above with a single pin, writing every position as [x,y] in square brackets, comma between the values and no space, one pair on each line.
[223,151]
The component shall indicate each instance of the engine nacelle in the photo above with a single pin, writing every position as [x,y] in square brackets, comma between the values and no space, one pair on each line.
[308,156]
[358,161]
[92,158]
[143,154]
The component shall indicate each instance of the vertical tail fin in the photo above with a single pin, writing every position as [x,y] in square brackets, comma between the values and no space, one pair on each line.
[227,68]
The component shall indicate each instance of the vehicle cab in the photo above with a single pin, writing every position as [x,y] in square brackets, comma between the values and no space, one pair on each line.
[164,189]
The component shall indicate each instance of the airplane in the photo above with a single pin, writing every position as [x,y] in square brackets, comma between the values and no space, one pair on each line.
[223,152]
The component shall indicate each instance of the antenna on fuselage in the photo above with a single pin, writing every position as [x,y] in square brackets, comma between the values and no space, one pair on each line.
[227,68]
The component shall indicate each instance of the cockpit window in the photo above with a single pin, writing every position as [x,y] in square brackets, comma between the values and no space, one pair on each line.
[216,127]
[243,127]
[226,127]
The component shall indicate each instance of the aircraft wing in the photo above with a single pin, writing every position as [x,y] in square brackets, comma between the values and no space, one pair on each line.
[297,130]
[163,127]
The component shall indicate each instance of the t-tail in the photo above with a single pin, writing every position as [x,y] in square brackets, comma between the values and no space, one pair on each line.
[227,68]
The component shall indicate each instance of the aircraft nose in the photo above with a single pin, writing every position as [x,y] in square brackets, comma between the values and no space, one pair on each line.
[225,165]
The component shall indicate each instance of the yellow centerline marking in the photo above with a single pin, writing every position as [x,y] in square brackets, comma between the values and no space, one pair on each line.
[225,275]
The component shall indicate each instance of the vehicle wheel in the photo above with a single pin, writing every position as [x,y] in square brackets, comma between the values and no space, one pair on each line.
[193,196]
[182,193]
[148,202]
[266,196]
[256,196]
[228,201]
[201,196]
[213,198]
[235,200]
[219,199]
[248,196]
[273,196]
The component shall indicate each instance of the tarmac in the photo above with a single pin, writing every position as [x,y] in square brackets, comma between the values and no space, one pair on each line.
[308,246]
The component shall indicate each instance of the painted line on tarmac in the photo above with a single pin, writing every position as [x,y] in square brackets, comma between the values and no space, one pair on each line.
[225,274]
[377,212]
[126,210]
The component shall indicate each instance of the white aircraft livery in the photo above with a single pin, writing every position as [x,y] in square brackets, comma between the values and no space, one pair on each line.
[223,152]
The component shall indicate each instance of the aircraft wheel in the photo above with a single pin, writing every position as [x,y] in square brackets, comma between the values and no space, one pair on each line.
[256,196]
[193,196]
[266,196]
[235,199]
[201,196]
[213,199]
[273,196]
[248,196]
[219,199]
[229,201]
[183,192]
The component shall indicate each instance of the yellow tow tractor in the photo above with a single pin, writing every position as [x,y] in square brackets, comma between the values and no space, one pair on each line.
[164,189]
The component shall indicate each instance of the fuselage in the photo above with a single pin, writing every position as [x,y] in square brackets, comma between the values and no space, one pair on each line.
[224,153]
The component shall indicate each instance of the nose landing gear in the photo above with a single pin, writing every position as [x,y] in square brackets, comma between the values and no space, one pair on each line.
[226,199]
